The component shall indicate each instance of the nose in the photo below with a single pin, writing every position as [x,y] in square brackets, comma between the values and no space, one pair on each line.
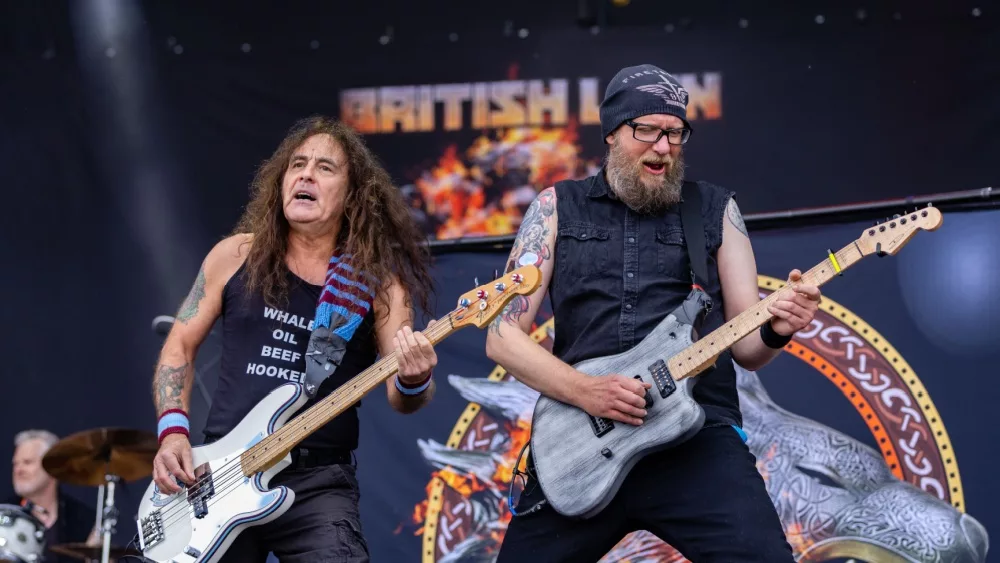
[662,146]
[976,535]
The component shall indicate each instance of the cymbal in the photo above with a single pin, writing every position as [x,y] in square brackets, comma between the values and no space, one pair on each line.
[86,457]
[85,552]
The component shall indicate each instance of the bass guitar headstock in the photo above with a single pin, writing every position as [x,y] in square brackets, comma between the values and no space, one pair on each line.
[481,305]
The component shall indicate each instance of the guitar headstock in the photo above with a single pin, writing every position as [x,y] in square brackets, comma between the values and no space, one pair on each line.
[891,235]
[481,305]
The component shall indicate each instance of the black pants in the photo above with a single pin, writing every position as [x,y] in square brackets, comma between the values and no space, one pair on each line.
[705,498]
[323,524]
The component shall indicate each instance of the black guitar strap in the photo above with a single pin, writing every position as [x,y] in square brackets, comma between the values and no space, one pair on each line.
[694,233]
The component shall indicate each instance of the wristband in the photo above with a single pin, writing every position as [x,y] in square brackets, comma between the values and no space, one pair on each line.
[173,421]
[773,339]
[420,388]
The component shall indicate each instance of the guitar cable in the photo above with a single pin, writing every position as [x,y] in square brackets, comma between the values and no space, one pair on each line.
[510,494]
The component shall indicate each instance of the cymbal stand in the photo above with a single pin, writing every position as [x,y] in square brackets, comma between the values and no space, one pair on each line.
[109,516]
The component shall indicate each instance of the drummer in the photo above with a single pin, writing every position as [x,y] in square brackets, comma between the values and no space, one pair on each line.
[66,519]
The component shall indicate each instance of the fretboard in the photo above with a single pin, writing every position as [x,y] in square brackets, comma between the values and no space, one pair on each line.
[701,355]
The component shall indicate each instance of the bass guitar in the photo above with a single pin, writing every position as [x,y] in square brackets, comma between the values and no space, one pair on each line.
[581,460]
[231,493]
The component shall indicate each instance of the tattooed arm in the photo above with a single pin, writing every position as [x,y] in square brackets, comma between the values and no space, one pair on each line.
[199,311]
[175,369]
[507,340]
[738,278]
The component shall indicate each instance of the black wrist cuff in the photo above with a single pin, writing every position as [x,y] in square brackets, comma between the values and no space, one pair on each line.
[773,339]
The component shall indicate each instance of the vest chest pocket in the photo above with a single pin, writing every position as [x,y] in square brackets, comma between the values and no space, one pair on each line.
[671,254]
[583,248]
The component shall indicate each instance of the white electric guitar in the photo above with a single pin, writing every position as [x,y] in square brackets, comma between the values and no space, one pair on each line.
[231,493]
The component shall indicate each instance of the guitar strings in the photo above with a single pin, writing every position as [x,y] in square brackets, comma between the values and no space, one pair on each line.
[228,475]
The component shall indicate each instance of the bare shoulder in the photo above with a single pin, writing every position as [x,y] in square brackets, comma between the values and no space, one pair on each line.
[227,256]
[734,216]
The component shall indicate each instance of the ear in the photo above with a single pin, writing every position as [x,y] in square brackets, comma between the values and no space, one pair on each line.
[610,139]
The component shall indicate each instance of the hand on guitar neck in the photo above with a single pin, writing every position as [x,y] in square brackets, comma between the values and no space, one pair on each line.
[796,306]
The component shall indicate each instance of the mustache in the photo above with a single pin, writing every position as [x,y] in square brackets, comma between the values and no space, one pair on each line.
[664,160]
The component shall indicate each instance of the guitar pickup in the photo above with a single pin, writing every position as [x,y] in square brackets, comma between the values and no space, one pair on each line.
[601,426]
[198,496]
[649,396]
[661,377]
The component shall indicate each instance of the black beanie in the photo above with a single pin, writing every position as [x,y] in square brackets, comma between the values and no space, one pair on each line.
[641,90]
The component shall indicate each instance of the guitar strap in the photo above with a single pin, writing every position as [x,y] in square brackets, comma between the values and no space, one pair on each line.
[346,298]
[694,233]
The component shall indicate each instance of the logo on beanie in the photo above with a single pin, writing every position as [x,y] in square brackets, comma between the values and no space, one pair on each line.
[669,91]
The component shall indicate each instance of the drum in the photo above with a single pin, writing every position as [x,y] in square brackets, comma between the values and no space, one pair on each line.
[22,536]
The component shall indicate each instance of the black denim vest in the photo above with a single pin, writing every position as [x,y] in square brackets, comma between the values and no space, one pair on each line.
[618,274]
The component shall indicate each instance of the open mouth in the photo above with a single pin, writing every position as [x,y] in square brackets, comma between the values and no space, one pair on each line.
[304,196]
[654,167]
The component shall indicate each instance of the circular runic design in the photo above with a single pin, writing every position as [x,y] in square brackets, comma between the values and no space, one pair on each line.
[880,385]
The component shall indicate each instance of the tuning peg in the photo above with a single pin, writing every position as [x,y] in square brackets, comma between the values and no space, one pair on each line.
[516,278]
[896,216]
[475,281]
[464,302]
[496,274]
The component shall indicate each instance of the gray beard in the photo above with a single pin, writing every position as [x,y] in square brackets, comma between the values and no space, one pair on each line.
[625,178]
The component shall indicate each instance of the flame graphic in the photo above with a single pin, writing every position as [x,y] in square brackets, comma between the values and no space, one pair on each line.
[485,190]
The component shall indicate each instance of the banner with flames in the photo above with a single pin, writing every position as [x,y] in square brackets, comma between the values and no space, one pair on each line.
[526,135]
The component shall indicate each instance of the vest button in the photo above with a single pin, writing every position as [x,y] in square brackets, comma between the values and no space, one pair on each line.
[631,239]
[628,307]
[630,274]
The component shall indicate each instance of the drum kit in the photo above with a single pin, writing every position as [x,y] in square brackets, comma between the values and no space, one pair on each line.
[102,458]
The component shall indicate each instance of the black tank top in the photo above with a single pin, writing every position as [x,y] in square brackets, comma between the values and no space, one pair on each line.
[263,347]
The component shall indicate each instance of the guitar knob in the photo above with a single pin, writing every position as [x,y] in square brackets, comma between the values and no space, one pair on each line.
[481,294]
[517,278]
[500,286]
[463,302]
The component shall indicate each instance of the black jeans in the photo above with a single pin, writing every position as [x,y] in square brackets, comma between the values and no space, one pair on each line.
[323,524]
[705,498]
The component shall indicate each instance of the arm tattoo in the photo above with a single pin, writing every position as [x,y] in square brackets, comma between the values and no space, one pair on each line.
[168,383]
[530,247]
[733,212]
[511,313]
[190,307]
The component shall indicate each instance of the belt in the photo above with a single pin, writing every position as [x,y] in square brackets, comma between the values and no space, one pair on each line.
[303,458]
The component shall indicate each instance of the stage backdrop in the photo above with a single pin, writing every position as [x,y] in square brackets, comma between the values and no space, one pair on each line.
[792,106]
[868,429]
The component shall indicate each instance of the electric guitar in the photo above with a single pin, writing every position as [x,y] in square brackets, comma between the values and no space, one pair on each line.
[581,460]
[231,493]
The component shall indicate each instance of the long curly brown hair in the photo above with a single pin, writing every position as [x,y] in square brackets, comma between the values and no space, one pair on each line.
[381,234]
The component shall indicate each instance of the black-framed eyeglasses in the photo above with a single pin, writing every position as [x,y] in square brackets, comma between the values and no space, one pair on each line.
[652,134]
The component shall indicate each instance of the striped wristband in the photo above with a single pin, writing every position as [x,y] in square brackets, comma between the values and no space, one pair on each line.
[173,421]
[420,388]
